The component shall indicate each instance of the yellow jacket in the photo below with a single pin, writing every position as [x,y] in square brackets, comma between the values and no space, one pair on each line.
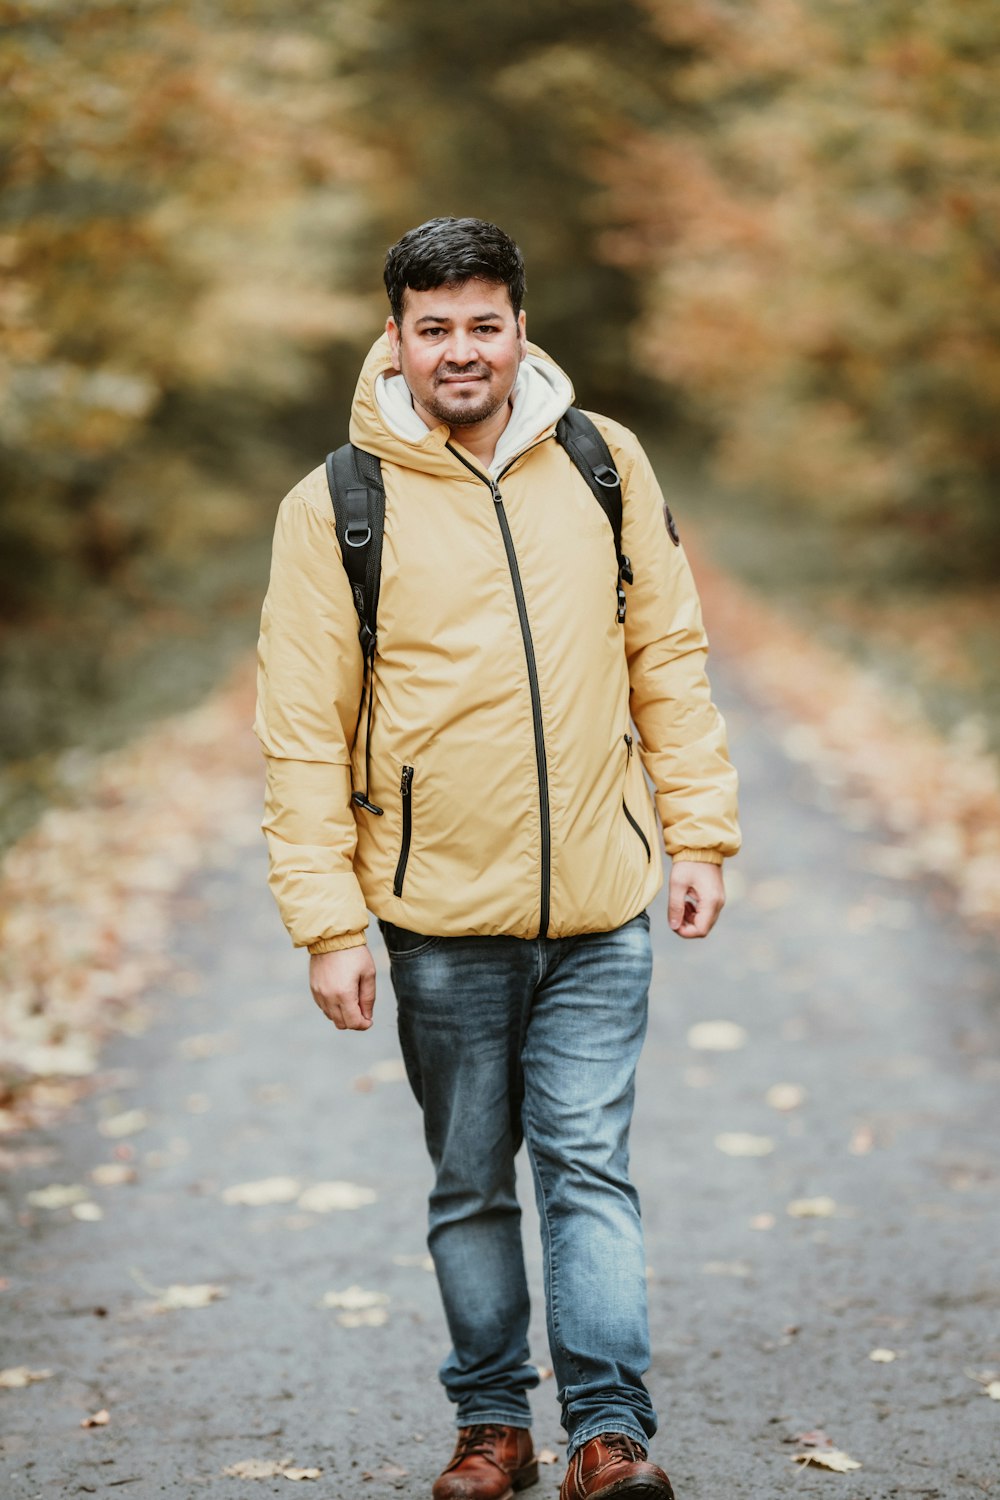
[502,691]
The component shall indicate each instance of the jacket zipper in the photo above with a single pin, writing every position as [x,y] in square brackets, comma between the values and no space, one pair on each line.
[645,841]
[406,793]
[536,700]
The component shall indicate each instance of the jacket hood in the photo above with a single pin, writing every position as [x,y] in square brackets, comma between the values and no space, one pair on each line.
[384,422]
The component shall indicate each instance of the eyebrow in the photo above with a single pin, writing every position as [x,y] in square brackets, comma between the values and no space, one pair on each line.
[483,317]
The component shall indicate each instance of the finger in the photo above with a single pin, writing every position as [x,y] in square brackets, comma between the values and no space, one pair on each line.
[700,920]
[366,995]
[676,902]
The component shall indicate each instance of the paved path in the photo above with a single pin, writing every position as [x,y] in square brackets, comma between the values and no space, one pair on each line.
[859,990]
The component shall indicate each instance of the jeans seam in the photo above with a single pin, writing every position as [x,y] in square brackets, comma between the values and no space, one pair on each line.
[553,1280]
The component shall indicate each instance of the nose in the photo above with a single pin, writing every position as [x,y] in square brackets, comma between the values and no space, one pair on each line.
[462,348]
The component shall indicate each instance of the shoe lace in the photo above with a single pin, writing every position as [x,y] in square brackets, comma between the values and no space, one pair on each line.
[622,1446]
[478,1439]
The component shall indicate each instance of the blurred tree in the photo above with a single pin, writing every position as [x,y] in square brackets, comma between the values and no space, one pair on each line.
[498,112]
[819,241]
[176,179]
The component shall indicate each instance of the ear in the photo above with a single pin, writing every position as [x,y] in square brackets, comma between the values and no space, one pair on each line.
[393,332]
[522,337]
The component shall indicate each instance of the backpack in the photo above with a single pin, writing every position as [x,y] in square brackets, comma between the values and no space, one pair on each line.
[354,478]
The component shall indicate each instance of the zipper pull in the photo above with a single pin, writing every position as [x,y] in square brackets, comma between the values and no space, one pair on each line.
[495,492]
[628,742]
[404,785]
[361,800]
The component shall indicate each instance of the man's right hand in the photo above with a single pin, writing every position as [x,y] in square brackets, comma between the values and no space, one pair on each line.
[343,986]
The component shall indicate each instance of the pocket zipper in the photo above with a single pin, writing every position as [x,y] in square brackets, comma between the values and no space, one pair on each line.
[634,824]
[405,792]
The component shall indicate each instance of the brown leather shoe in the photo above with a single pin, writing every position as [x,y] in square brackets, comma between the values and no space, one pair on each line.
[490,1462]
[613,1465]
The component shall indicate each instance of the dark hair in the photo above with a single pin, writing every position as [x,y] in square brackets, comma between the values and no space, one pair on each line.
[449,252]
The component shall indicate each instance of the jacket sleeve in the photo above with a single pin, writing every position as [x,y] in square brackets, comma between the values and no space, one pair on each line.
[682,735]
[309,686]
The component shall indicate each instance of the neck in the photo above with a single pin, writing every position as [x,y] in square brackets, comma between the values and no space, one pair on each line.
[478,438]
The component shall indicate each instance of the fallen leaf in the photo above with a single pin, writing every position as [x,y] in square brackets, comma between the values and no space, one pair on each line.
[992,1390]
[547,1456]
[366,1317]
[301,1473]
[821,1453]
[111,1173]
[763,1221]
[58,1195]
[716,1036]
[324,1197]
[89,1212]
[16,1376]
[424,1262]
[738,1143]
[267,1190]
[359,1308]
[862,1141]
[812,1208]
[99,1419]
[882,1356]
[389,1070]
[200,1294]
[353,1297]
[387,1471]
[544,1372]
[129,1122]
[785,1096]
[253,1468]
[827,1458]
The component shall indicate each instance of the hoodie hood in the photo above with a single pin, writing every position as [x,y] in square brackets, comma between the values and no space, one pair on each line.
[384,422]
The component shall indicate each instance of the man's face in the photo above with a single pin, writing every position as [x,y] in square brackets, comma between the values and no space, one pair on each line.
[459,350]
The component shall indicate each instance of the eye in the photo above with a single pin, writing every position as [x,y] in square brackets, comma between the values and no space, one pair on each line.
[430,332]
[487,328]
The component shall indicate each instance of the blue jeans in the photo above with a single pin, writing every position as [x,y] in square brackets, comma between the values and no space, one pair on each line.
[507,1039]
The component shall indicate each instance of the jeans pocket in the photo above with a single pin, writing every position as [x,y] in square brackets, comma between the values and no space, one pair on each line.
[401,943]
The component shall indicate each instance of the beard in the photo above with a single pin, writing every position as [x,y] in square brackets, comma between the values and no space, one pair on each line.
[463,411]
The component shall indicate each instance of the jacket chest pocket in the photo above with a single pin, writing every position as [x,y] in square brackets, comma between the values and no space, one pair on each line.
[631,820]
[406,834]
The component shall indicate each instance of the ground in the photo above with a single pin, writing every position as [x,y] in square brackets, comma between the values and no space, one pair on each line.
[864,993]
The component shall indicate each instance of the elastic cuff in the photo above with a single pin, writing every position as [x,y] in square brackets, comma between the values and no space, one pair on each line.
[608,1424]
[335,944]
[698,856]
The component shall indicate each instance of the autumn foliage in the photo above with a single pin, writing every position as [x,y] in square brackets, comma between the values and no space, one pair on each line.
[816,229]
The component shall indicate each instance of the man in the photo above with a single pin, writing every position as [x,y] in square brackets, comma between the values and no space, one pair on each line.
[479,792]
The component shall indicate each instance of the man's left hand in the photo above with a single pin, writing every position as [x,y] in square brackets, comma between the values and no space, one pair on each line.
[697,896]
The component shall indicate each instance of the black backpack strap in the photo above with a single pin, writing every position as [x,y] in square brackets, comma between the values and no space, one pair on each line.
[592,456]
[354,478]
[358,496]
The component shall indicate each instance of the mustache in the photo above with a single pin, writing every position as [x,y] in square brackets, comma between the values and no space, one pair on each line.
[473,370]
